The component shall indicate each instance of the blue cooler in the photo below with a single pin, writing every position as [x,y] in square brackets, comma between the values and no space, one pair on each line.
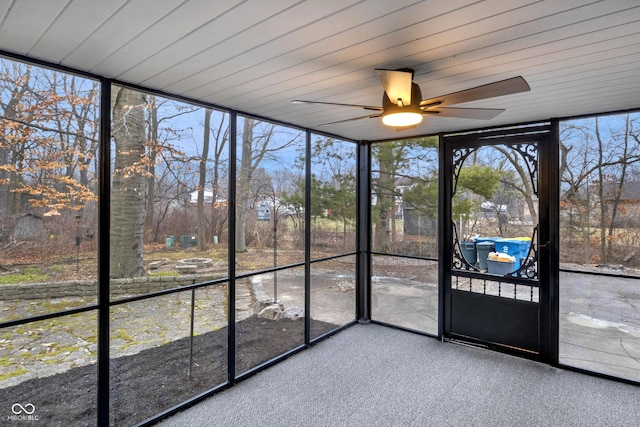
[499,267]
[511,247]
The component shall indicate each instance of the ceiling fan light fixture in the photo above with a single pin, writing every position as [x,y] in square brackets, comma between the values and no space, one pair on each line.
[402,118]
[403,112]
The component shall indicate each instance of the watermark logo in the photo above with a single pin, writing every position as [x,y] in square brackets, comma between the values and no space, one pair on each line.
[23,412]
[28,409]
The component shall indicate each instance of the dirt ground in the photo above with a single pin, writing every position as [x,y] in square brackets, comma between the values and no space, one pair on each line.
[149,382]
[154,380]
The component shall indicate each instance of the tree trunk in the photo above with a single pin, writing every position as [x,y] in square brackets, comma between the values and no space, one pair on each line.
[244,184]
[4,175]
[603,205]
[618,188]
[16,179]
[385,198]
[220,142]
[151,175]
[202,181]
[129,186]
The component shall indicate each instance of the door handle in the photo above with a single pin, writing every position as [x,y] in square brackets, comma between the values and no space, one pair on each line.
[546,245]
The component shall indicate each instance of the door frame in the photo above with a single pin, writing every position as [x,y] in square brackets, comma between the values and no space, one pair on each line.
[547,313]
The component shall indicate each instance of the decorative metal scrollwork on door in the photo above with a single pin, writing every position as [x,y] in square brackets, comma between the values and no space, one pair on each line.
[459,157]
[529,153]
[527,268]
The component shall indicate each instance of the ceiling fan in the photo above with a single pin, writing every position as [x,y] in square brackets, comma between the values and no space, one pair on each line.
[404,108]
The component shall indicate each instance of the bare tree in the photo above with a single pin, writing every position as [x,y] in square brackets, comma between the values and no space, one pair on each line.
[161,134]
[218,174]
[202,180]
[523,184]
[152,141]
[596,156]
[258,143]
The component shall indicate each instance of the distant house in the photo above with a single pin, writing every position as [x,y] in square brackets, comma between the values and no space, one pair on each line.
[401,184]
[264,211]
[208,198]
[628,199]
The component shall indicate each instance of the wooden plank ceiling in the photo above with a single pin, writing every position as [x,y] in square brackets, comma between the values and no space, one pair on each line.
[579,56]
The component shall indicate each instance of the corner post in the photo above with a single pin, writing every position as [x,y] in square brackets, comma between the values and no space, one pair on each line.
[363,239]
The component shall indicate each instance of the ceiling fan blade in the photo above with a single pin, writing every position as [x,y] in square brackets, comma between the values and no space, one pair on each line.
[352,119]
[465,113]
[491,90]
[366,107]
[397,84]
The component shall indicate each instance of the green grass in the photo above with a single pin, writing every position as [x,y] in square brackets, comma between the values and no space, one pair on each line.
[16,373]
[163,274]
[120,333]
[330,224]
[54,306]
[26,275]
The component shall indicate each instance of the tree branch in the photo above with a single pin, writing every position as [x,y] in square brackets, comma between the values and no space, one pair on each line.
[47,129]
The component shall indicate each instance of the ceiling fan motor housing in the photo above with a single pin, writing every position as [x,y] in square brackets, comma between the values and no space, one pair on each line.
[416,98]
[397,113]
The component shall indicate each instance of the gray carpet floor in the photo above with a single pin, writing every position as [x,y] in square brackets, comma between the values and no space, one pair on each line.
[370,375]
